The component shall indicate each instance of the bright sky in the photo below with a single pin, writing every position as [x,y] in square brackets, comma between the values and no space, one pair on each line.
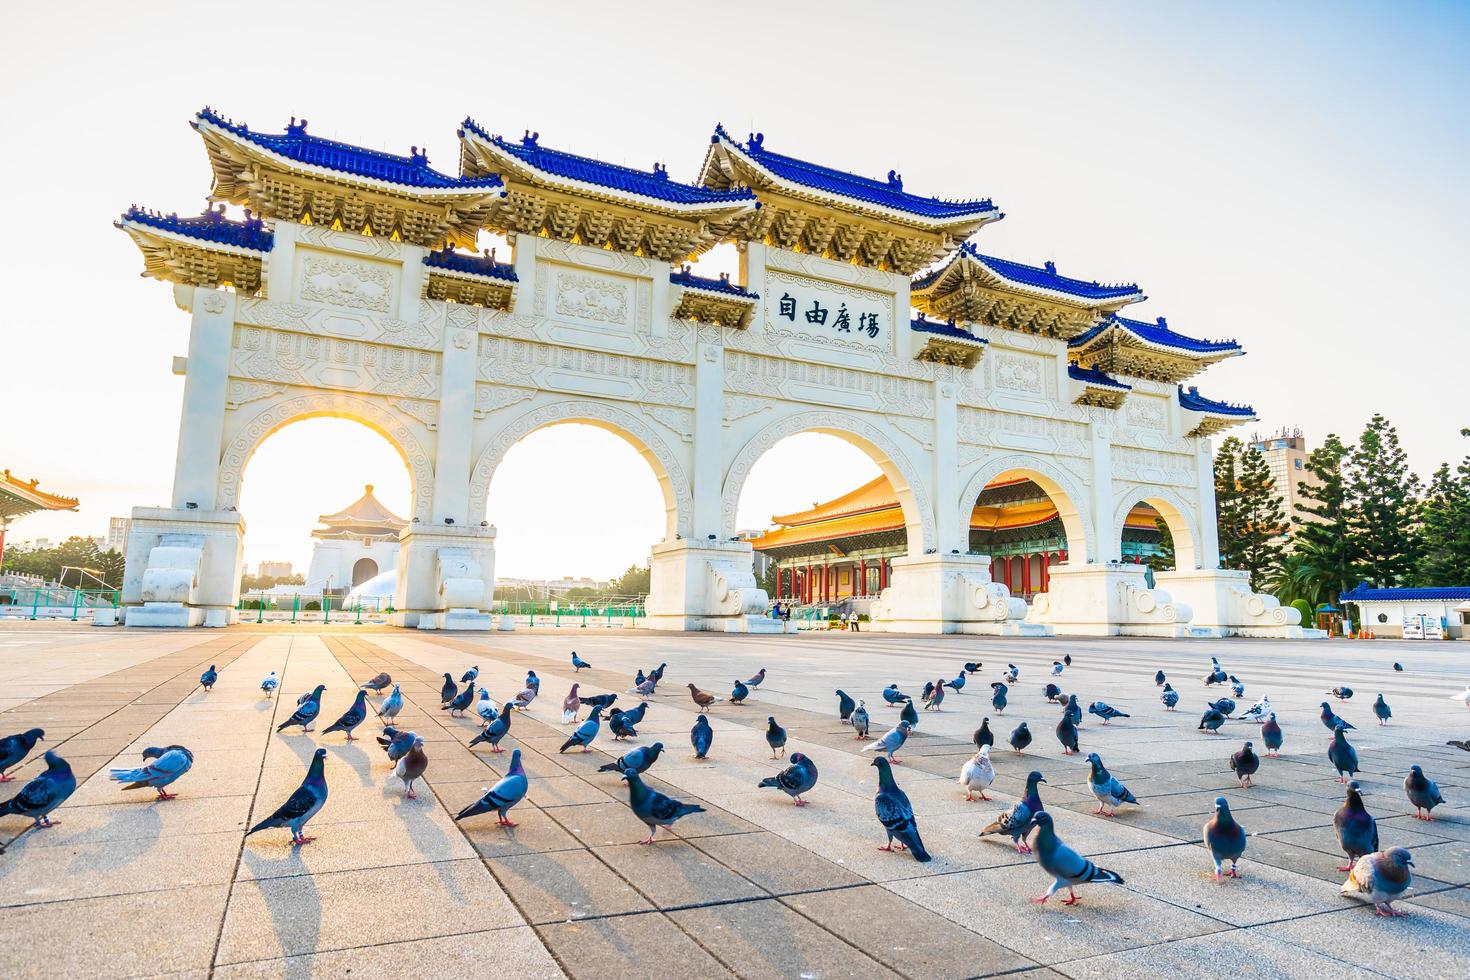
[1291,175]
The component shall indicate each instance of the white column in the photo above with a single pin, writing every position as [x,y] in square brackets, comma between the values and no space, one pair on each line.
[1207,552]
[413,277]
[280,262]
[206,383]
[952,532]
[1107,546]
[525,264]
[709,414]
[456,425]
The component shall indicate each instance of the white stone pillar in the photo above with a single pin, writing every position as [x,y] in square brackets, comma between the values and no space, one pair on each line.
[709,415]
[455,435]
[1207,551]
[206,384]
[1107,546]
[952,531]
[524,255]
[280,261]
[413,278]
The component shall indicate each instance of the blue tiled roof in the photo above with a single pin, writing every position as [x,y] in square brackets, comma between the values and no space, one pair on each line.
[296,144]
[721,285]
[1363,593]
[888,194]
[653,184]
[1157,332]
[1045,277]
[468,262]
[923,324]
[211,226]
[1191,399]
[1093,377]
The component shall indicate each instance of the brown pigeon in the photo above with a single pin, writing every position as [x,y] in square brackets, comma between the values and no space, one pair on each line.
[571,706]
[703,698]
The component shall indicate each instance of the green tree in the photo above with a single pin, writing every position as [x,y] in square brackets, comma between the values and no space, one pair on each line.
[1324,550]
[1446,527]
[1383,514]
[635,581]
[110,565]
[1262,519]
[1229,516]
[1164,560]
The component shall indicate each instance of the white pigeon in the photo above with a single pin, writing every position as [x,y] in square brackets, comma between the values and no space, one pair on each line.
[977,774]
[1056,668]
[1462,696]
[1258,711]
[269,685]
[486,708]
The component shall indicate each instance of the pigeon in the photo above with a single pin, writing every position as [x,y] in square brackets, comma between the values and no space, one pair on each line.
[1051,692]
[638,760]
[973,667]
[739,693]
[1398,666]
[306,711]
[1423,792]
[1013,673]
[43,794]
[860,721]
[1341,693]
[628,719]
[795,779]
[645,687]
[523,699]
[658,673]
[506,793]
[1017,822]
[169,763]
[391,705]
[703,698]
[775,736]
[936,699]
[584,734]
[351,718]
[207,679]
[448,691]
[1067,735]
[1020,737]
[412,765]
[1073,710]
[1236,686]
[598,702]
[1271,734]
[1169,697]
[1226,706]
[533,682]
[1106,711]
[893,696]
[470,674]
[983,735]
[1211,720]
[495,731]
[1245,763]
[1067,659]
[578,663]
[486,708]
[1056,668]
[1382,711]
[14,748]
[1332,722]
[958,684]
[1357,831]
[623,724]
[461,702]
[639,677]
[701,736]
[1258,711]
[570,706]
[1066,867]
[891,742]
[1224,839]
[998,698]
[1159,678]
[377,684]
[1462,696]
[845,705]
[928,691]
[269,684]
[1381,878]
[977,774]
[909,715]
[1217,677]
[395,743]
[896,814]
[1342,756]
[654,808]
[302,805]
[755,681]
[1108,789]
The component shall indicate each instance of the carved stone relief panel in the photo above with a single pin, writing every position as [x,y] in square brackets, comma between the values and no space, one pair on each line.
[425,333]
[336,280]
[590,372]
[299,359]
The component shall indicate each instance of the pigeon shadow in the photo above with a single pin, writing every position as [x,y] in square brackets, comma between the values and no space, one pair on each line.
[429,839]
[294,904]
[350,755]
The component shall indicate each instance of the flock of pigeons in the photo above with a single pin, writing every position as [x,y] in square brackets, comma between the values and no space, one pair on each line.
[1380,876]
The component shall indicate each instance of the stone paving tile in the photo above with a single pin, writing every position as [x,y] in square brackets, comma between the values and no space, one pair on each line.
[514,952]
[36,871]
[768,939]
[1426,943]
[635,947]
[674,874]
[775,864]
[144,817]
[1225,956]
[416,837]
[562,886]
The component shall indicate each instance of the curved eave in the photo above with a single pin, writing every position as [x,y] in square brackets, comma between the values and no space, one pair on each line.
[953,276]
[139,231]
[748,299]
[19,499]
[1121,335]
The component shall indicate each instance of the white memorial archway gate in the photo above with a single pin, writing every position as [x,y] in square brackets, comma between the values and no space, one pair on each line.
[350,288]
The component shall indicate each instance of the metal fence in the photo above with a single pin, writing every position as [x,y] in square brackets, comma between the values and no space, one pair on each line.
[615,611]
[263,607]
[39,602]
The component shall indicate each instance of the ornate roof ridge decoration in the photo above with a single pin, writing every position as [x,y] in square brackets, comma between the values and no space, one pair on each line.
[470,279]
[807,207]
[1097,388]
[1003,293]
[1216,416]
[209,250]
[1137,349]
[580,199]
[947,343]
[20,497]
[717,301]
[295,176]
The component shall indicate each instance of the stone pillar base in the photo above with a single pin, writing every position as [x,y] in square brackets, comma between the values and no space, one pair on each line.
[947,594]
[167,615]
[703,586]
[1107,600]
[183,567]
[446,577]
[1222,599]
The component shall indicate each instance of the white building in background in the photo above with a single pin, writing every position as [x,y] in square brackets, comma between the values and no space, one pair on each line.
[118,529]
[355,544]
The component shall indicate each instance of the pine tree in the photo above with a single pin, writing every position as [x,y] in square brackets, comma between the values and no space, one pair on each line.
[1446,529]
[1383,503]
[1322,525]
[1262,519]
[1163,561]
[1228,515]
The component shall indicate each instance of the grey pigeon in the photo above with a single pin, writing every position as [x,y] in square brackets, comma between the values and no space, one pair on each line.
[1423,792]
[654,808]
[302,805]
[860,721]
[936,697]
[1342,756]
[523,699]
[1056,668]
[578,664]
[1012,673]
[1159,678]
[639,759]
[351,718]
[1381,710]
[167,764]
[701,737]
[892,742]
[1271,734]
[775,737]
[795,779]
[395,743]
[1020,737]
[1331,721]
[306,711]
[1245,764]
[754,681]
[893,696]
[983,735]
[1342,693]
[845,705]
[896,814]
[909,715]
[14,748]
[391,705]
[533,682]
[739,692]
[43,794]
[999,696]
[585,733]
[486,708]
[973,667]
[1017,822]
[207,679]
[1066,867]
[506,793]
[1236,686]
[1067,734]
[1051,692]
[1226,706]
[958,684]
[413,765]
[496,730]
[1356,830]
[461,702]
[1381,878]
[449,690]
[1170,697]
[269,683]
[1108,789]
[470,674]
[1106,711]
[1224,838]
[377,684]
[1258,711]
[1211,720]
[1073,710]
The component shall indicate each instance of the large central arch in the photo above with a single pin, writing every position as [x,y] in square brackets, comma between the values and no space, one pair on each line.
[1064,490]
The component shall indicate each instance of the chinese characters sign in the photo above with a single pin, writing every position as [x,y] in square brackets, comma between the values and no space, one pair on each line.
[826,311]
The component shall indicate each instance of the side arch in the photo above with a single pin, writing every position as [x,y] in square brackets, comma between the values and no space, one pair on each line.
[248,437]
[672,479]
[907,482]
[1062,487]
[1177,513]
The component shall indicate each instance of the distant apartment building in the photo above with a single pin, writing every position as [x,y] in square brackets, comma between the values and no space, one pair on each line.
[118,530]
[275,569]
[1286,455]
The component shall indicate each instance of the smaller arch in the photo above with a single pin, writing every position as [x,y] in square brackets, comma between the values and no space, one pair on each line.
[1063,489]
[1178,516]
[362,570]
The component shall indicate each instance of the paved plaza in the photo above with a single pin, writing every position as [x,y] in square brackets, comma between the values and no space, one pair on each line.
[755,887]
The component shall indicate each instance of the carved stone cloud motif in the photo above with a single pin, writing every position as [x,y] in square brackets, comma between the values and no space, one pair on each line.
[346,282]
